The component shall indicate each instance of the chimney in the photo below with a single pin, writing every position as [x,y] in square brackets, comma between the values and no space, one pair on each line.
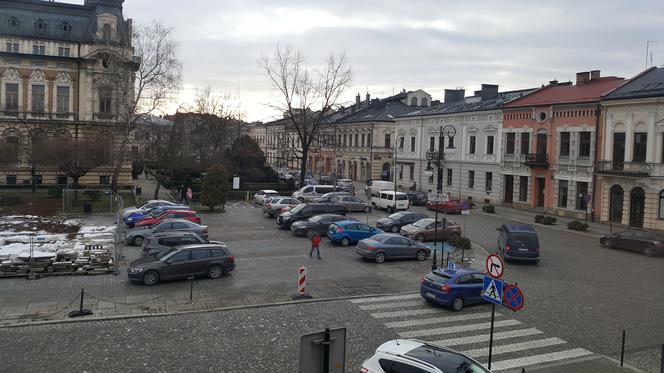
[582,77]
[454,95]
[357,100]
[489,92]
[368,98]
[553,82]
[477,93]
[594,74]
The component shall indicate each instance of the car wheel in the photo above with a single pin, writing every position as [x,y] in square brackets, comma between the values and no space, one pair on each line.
[395,229]
[421,255]
[380,257]
[137,241]
[420,237]
[457,304]
[151,278]
[215,271]
[647,251]
[345,241]
[310,233]
[367,209]
[606,243]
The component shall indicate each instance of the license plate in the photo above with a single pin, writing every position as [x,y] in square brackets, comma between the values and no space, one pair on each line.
[430,295]
[523,249]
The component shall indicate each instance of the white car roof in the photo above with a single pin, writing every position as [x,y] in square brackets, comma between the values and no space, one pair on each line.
[269,191]
[391,192]
[399,346]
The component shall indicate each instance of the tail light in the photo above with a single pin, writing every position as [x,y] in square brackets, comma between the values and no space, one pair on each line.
[339,230]
[422,280]
[445,288]
[269,206]
[507,247]
[371,248]
[231,258]
[205,231]
[364,370]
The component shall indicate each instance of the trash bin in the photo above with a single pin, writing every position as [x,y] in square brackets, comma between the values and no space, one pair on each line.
[139,190]
[87,208]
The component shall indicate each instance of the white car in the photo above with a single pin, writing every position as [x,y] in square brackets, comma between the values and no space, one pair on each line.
[386,200]
[260,196]
[146,206]
[410,355]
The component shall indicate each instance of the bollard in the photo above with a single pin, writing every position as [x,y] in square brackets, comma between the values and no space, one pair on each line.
[81,311]
[302,284]
[661,368]
[622,349]
[191,289]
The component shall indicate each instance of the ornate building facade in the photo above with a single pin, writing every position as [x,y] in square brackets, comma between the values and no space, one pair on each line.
[52,62]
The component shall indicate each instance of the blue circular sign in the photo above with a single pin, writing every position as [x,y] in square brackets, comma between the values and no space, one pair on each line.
[513,297]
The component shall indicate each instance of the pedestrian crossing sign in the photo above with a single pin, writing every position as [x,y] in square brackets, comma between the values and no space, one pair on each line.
[492,290]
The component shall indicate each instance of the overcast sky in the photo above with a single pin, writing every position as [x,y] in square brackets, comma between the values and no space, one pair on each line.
[429,45]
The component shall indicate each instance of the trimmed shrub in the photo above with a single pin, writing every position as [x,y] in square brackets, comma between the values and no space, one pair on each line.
[462,243]
[490,209]
[215,187]
[539,218]
[549,220]
[577,226]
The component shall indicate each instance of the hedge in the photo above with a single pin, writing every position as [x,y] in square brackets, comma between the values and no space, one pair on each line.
[491,209]
[577,226]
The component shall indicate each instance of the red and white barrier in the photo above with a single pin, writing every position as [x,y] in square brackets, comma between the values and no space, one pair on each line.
[301,284]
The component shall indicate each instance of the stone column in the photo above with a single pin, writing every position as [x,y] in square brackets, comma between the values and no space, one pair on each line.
[629,138]
[650,152]
[608,139]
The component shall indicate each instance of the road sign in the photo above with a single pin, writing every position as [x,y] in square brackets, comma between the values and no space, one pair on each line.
[513,297]
[494,266]
[236,182]
[451,266]
[492,290]
[317,349]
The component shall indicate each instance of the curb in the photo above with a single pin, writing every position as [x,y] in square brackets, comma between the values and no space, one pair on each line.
[540,225]
[230,308]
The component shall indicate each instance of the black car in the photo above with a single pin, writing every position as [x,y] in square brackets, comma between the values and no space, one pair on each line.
[307,210]
[417,198]
[211,260]
[316,224]
[645,243]
[394,222]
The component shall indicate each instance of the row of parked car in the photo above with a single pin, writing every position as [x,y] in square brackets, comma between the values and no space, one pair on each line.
[175,244]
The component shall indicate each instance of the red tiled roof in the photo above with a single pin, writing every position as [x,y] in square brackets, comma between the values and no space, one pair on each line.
[549,95]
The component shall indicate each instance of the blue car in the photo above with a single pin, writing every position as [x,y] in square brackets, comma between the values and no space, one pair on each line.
[453,288]
[350,231]
[134,217]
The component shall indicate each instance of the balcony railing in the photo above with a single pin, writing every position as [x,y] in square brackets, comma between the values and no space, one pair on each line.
[624,168]
[537,160]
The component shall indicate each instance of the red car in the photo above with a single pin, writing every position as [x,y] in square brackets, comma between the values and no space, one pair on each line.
[170,214]
[453,206]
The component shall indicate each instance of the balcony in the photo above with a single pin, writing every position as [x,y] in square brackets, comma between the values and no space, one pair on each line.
[636,169]
[537,160]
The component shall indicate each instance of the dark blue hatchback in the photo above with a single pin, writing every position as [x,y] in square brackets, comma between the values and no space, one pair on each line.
[454,288]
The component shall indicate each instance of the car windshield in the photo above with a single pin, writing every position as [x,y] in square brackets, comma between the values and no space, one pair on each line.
[397,215]
[423,223]
[527,240]
[446,361]
[164,253]
[156,213]
[297,208]
[317,218]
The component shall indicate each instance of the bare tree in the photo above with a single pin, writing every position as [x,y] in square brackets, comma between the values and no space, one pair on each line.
[307,96]
[143,79]
[75,157]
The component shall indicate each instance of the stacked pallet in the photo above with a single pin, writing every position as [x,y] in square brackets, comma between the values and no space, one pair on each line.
[93,260]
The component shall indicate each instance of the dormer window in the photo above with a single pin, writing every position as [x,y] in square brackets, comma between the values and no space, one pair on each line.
[65,28]
[13,23]
[424,101]
[40,26]
[413,101]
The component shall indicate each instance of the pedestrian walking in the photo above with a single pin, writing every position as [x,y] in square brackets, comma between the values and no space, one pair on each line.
[315,244]
[183,194]
[189,195]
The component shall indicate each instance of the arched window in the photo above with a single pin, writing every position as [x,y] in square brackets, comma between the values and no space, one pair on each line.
[413,101]
[65,28]
[9,149]
[660,213]
[13,23]
[424,101]
[40,26]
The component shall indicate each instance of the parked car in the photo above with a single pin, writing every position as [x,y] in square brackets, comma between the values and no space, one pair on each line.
[155,211]
[262,194]
[453,288]
[159,242]
[309,192]
[316,224]
[426,230]
[170,214]
[646,243]
[349,232]
[413,356]
[352,204]
[386,201]
[374,187]
[518,242]
[146,207]
[305,211]
[394,222]
[452,206]
[346,184]
[385,246]
[211,260]
[327,197]
[276,205]
[267,200]
[137,235]
[417,198]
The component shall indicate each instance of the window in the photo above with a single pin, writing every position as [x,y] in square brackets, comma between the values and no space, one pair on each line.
[11,96]
[39,179]
[39,49]
[106,33]
[65,28]
[400,172]
[432,143]
[450,142]
[61,180]
[369,141]
[424,101]
[350,140]
[363,138]
[562,193]
[345,142]
[64,51]
[523,188]
[471,179]
[179,257]
[509,146]
[525,143]
[38,98]
[449,176]
[564,144]
[411,172]
[401,141]
[399,367]
[13,23]
[640,146]
[62,99]
[199,254]
[660,214]
[412,143]
[472,145]
[388,140]
[11,179]
[581,191]
[12,47]
[413,101]
[104,180]
[489,181]
[584,144]
[357,137]
[105,100]
[489,145]
[40,26]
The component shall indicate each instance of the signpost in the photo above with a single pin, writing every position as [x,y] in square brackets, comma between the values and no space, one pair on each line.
[492,291]
[323,352]
[513,297]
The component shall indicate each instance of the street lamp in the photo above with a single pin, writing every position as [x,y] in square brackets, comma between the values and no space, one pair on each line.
[432,154]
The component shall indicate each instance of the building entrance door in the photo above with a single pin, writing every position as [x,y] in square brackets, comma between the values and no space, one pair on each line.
[637,202]
[540,185]
[509,188]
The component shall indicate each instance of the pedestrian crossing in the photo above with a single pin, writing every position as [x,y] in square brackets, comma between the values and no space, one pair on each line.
[515,345]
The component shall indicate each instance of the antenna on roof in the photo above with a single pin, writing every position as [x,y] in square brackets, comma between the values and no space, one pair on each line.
[648,42]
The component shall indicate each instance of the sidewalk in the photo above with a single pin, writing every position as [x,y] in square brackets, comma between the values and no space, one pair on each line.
[148,187]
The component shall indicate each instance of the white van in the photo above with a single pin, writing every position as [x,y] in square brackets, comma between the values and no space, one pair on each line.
[308,193]
[385,200]
[376,186]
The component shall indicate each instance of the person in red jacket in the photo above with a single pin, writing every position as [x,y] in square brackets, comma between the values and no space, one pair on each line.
[315,243]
